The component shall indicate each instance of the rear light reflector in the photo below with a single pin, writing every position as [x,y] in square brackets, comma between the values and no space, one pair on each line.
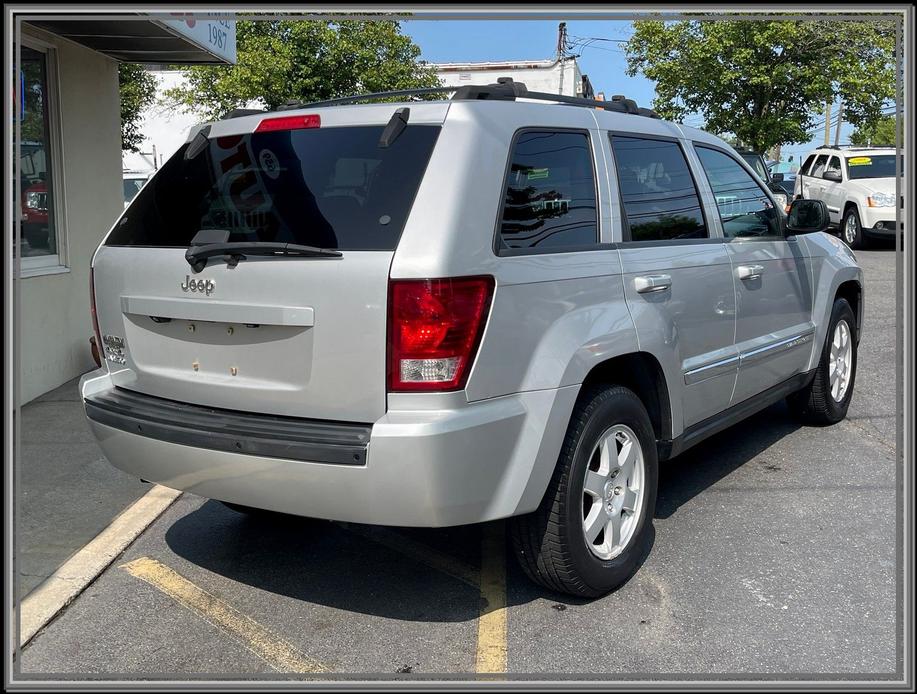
[434,329]
[95,318]
[313,120]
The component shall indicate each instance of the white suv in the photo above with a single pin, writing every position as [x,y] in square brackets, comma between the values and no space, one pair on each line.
[858,187]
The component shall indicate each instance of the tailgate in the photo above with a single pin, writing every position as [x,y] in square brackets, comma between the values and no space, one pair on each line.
[265,332]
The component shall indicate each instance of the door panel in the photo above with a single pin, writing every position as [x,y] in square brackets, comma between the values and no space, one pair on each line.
[692,321]
[771,275]
[812,183]
[833,193]
[677,280]
[774,325]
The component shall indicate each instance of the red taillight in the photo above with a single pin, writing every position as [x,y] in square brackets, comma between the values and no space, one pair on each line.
[95,316]
[434,328]
[313,120]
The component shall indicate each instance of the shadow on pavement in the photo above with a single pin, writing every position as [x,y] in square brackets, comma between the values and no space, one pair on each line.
[684,477]
[325,563]
[322,562]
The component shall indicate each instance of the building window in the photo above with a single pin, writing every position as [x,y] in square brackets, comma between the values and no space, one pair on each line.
[37,210]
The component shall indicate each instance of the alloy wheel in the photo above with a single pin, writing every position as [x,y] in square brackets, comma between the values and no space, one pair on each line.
[840,361]
[613,492]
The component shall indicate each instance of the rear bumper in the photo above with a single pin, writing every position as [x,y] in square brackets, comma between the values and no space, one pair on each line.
[477,462]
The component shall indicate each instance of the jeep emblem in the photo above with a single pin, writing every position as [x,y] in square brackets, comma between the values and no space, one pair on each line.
[192,285]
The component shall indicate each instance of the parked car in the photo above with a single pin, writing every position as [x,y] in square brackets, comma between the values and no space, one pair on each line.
[133,182]
[439,313]
[857,184]
[34,206]
[763,168]
[787,181]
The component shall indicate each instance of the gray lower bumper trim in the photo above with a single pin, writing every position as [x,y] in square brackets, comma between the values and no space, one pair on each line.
[226,430]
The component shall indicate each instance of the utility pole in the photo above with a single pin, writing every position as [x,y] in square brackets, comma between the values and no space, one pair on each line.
[827,123]
[561,40]
[561,51]
[837,131]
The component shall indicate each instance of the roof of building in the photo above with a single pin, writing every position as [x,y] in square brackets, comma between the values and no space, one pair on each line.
[498,65]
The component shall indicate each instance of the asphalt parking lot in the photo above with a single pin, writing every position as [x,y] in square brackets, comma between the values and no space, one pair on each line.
[774,552]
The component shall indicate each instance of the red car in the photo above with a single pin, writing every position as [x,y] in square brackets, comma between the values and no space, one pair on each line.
[35,214]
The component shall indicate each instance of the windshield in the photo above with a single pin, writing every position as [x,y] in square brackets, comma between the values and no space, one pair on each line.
[757,163]
[324,187]
[873,166]
[131,187]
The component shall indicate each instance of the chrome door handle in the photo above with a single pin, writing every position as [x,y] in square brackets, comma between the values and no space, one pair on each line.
[652,283]
[750,272]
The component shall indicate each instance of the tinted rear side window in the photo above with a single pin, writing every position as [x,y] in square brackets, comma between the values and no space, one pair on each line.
[325,187]
[549,196]
[658,193]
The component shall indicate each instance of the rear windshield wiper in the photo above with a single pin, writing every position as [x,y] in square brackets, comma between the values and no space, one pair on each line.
[197,255]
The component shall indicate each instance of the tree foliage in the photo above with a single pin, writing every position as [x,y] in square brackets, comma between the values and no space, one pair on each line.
[765,81]
[137,88]
[304,60]
[882,132]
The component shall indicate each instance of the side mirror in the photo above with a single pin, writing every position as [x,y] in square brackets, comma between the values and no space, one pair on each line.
[807,217]
[832,175]
[777,177]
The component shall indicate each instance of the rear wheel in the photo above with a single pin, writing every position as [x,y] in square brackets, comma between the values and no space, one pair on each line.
[826,399]
[594,525]
[852,230]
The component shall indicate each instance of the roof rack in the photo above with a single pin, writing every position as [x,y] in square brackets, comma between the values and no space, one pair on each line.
[849,146]
[505,89]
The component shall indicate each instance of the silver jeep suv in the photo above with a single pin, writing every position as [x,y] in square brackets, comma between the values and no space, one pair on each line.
[434,313]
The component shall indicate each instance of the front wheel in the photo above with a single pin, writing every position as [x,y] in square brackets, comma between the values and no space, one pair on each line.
[852,230]
[594,525]
[826,399]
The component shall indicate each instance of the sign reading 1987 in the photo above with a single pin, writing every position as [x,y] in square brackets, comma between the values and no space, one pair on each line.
[219,31]
[209,30]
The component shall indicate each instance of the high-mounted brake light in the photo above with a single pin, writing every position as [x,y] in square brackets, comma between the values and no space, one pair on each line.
[313,120]
[434,329]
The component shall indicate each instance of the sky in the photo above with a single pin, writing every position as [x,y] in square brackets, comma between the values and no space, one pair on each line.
[444,41]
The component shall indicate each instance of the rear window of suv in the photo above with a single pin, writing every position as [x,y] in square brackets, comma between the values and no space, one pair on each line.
[324,187]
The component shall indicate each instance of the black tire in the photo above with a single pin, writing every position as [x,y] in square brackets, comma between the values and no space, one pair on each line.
[815,404]
[550,543]
[857,240]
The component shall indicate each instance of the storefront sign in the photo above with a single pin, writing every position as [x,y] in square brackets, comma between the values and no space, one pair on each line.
[209,30]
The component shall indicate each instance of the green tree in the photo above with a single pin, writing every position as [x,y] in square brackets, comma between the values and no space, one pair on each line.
[137,88]
[765,81]
[882,132]
[284,60]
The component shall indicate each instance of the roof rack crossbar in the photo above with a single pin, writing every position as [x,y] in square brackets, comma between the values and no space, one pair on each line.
[343,100]
[504,90]
[851,146]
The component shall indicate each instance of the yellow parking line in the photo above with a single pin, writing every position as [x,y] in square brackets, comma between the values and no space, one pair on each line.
[491,650]
[275,651]
[71,579]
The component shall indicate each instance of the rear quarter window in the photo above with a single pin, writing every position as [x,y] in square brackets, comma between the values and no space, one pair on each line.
[549,193]
[325,187]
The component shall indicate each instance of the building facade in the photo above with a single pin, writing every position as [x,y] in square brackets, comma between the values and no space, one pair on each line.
[561,76]
[68,167]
